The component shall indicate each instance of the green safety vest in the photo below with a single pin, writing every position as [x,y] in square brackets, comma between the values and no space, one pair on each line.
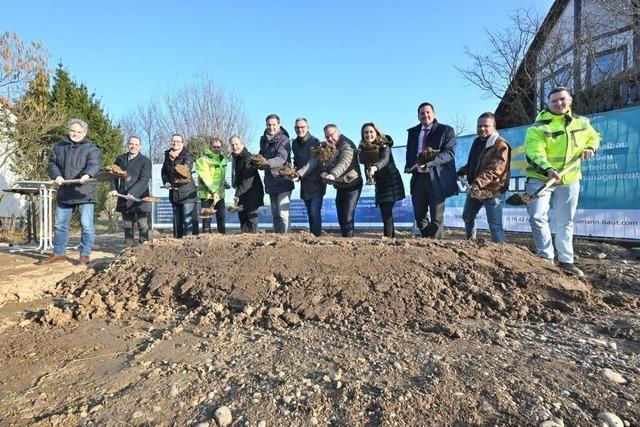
[555,140]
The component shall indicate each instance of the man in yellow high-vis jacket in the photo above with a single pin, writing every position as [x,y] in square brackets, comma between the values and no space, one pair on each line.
[556,138]
[212,168]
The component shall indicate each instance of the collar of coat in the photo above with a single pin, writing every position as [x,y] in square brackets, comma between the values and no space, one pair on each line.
[183,152]
[305,139]
[84,141]
[546,115]
[208,152]
[277,138]
[243,153]
[491,141]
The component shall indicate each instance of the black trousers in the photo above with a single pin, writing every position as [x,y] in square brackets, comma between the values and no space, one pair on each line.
[427,211]
[220,209]
[248,220]
[132,218]
[346,201]
[386,209]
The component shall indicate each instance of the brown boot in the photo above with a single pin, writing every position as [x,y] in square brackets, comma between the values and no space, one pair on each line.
[84,259]
[52,259]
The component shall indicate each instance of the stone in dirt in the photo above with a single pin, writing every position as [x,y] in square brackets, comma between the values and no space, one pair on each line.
[611,419]
[613,376]
[223,416]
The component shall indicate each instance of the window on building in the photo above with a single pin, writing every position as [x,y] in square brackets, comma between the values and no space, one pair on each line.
[562,77]
[607,64]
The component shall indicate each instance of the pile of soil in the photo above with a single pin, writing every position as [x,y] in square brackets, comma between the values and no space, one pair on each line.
[270,330]
[403,282]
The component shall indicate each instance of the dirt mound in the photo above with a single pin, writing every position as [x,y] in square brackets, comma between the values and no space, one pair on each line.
[284,280]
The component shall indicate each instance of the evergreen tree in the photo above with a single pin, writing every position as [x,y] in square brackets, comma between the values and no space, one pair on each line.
[77,102]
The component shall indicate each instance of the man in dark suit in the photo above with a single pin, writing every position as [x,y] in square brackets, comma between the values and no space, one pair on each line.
[136,186]
[246,181]
[431,149]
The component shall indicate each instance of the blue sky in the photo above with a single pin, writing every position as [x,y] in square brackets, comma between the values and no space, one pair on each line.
[331,61]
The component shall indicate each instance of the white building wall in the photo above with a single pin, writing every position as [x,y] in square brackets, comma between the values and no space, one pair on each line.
[11,204]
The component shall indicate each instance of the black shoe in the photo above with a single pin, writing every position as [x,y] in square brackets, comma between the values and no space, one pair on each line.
[570,268]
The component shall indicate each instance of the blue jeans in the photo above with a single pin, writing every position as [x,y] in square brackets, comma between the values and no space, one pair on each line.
[314,212]
[346,202]
[183,219]
[493,209]
[63,218]
[564,199]
[280,211]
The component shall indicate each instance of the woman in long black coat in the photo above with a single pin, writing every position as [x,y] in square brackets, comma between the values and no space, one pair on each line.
[182,189]
[389,187]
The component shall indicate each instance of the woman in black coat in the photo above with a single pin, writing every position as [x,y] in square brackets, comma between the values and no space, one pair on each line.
[389,186]
[182,189]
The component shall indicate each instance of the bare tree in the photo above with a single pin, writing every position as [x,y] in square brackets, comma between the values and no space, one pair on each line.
[27,122]
[495,70]
[533,54]
[28,137]
[19,65]
[460,124]
[198,110]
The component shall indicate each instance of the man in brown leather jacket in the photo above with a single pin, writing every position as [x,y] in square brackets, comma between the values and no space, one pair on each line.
[487,172]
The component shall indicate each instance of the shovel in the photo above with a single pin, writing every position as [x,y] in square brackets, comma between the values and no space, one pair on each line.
[519,199]
[102,176]
[149,199]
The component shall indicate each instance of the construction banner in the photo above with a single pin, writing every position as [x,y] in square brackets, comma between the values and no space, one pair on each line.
[609,203]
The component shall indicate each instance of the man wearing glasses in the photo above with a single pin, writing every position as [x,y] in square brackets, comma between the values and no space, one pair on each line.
[345,175]
[312,189]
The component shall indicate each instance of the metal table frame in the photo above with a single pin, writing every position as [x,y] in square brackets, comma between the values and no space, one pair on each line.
[45,191]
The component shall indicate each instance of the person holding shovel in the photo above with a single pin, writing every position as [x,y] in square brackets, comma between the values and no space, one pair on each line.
[487,171]
[176,176]
[388,182]
[249,195]
[75,157]
[134,186]
[430,159]
[312,189]
[275,148]
[344,174]
[557,137]
[211,168]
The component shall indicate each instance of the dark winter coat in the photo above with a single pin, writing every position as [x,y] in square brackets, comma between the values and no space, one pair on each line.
[277,151]
[442,169]
[72,160]
[136,182]
[246,181]
[389,186]
[182,192]
[311,186]
[346,161]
